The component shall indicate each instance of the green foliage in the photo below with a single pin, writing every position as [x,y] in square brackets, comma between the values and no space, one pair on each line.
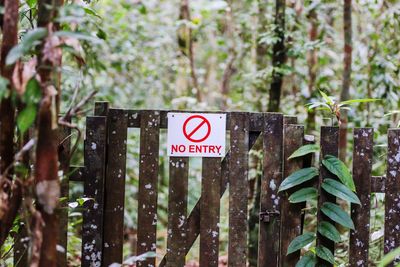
[304,150]
[31,98]
[390,257]
[335,213]
[4,92]
[337,167]
[30,40]
[300,241]
[329,230]
[325,253]
[298,177]
[308,260]
[26,118]
[303,194]
[339,190]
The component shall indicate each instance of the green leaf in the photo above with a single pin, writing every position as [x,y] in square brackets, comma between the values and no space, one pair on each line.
[335,213]
[298,177]
[300,241]
[337,167]
[354,101]
[304,150]
[325,254]
[29,41]
[388,258]
[303,195]
[32,94]
[339,190]
[31,3]
[308,260]
[329,231]
[327,99]
[78,35]
[4,92]
[26,118]
[91,12]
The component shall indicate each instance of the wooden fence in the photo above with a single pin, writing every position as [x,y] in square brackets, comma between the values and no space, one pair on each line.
[103,177]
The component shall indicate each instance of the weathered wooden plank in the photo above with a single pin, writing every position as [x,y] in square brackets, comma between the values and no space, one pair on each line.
[290,212]
[255,118]
[148,177]
[269,229]
[177,211]
[329,146]
[64,151]
[193,220]
[289,120]
[114,187]
[392,193]
[238,189]
[378,184]
[360,214]
[209,212]
[101,108]
[95,162]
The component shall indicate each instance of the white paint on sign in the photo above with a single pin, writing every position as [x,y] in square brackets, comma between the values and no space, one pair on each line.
[196,134]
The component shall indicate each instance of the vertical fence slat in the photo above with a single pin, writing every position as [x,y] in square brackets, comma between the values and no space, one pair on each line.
[177,211]
[392,196]
[360,214]
[209,212]
[329,146]
[115,186]
[95,162]
[269,235]
[148,178]
[291,212]
[238,189]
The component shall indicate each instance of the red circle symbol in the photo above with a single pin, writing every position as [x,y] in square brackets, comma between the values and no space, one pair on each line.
[199,123]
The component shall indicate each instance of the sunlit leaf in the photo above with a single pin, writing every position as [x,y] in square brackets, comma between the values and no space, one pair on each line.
[390,257]
[304,150]
[355,101]
[298,177]
[26,118]
[335,213]
[327,99]
[337,167]
[300,241]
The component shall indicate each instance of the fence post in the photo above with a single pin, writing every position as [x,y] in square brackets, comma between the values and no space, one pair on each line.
[392,196]
[290,213]
[360,214]
[238,189]
[114,192]
[329,146]
[269,227]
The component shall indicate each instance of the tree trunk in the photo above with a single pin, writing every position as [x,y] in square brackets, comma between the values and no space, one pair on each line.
[7,120]
[278,56]
[312,66]
[345,94]
[46,177]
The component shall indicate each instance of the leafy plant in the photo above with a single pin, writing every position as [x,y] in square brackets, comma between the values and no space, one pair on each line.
[342,188]
[329,104]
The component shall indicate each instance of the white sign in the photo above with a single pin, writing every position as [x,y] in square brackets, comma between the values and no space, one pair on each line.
[196,134]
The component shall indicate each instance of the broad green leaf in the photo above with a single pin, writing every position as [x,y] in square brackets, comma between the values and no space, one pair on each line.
[329,231]
[26,118]
[317,105]
[354,101]
[335,213]
[33,93]
[4,92]
[390,257]
[304,150]
[78,35]
[337,167]
[325,254]
[303,195]
[327,99]
[300,241]
[308,260]
[29,41]
[31,3]
[392,113]
[298,177]
[339,190]
[90,11]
